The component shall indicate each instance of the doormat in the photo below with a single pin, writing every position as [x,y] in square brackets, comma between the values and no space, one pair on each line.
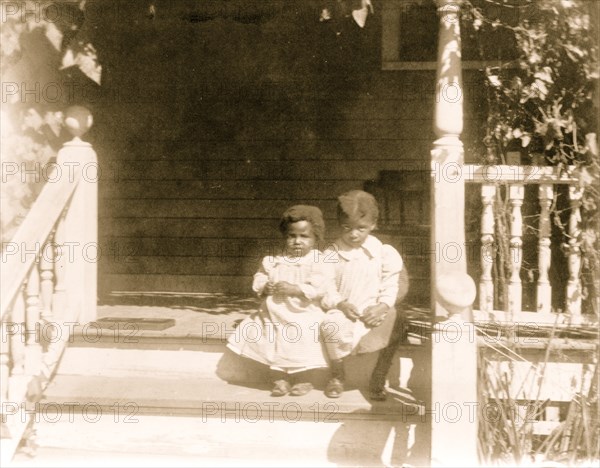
[134,323]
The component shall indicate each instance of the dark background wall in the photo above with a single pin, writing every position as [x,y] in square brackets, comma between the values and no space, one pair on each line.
[213,117]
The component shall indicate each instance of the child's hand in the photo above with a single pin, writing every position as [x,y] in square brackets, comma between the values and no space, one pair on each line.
[349,310]
[374,315]
[283,288]
[269,289]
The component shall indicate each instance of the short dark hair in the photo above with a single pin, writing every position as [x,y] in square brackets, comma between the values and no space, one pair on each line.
[308,213]
[357,205]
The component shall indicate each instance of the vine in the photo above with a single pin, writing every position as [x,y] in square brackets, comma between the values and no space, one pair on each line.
[41,44]
[543,105]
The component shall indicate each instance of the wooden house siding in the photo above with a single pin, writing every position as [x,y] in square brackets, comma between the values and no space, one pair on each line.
[201,149]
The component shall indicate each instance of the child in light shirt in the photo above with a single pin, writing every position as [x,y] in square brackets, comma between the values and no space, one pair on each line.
[368,277]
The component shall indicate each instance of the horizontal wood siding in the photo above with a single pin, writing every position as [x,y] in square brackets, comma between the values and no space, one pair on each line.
[206,132]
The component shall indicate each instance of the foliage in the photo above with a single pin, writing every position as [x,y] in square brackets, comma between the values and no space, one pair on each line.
[544,104]
[507,424]
[40,44]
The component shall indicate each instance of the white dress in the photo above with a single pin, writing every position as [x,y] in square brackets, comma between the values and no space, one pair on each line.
[284,332]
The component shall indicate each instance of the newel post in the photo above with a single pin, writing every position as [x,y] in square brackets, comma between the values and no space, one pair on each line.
[454,348]
[77,159]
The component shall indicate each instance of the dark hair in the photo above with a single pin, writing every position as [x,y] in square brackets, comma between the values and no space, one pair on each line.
[308,213]
[357,205]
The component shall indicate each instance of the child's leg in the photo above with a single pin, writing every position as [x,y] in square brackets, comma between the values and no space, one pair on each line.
[337,333]
[335,385]
[386,356]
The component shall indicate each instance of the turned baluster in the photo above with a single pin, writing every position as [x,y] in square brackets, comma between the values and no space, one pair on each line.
[4,360]
[61,316]
[47,281]
[17,335]
[516,195]
[32,322]
[574,284]
[544,289]
[486,284]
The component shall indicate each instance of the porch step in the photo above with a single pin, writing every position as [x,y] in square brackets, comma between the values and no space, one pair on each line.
[178,396]
[193,359]
[210,398]
[160,441]
[167,406]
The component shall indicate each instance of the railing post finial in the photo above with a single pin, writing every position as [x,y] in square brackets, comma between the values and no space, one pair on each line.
[78,120]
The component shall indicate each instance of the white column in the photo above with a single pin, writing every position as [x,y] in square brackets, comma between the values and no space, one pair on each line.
[454,348]
[81,220]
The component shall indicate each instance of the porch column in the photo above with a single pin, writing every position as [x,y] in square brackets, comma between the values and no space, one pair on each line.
[453,409]
[81,220]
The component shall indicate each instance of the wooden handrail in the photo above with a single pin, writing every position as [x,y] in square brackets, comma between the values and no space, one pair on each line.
[42,288]
[33,232]
[489,174]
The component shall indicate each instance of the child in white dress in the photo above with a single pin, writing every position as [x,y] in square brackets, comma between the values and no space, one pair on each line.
[369,276]
[284,333]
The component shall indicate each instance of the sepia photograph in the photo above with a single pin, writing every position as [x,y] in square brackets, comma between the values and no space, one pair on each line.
[299,233]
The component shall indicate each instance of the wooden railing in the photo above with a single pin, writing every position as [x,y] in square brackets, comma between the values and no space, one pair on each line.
[515,179]
[48,279]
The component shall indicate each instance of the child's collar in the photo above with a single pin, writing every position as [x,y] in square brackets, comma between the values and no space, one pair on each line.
[371,245]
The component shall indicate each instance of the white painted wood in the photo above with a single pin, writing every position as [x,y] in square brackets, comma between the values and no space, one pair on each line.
[31,234]
[489,174]
[454,353]
[486,285]
[574,283]
[60,267]
[4,360]
[516,195]
[454,388]
[33,351]
[47,257]
[32,265]
[526,318]
[81,226]
[544,289]
[17,335]
[466,65]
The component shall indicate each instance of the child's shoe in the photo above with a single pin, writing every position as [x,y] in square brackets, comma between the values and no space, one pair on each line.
[377,394]
[300,389]
[280,388]
[334,388]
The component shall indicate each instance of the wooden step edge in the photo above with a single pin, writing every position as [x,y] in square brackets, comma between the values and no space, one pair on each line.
[211,396]
[149,339]
[234,411]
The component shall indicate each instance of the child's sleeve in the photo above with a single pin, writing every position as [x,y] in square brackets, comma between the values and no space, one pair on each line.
[331,297]
[391,267]
[261,277]
[320,280]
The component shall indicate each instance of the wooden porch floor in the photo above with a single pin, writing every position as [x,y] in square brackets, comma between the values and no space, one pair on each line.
[191,401]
